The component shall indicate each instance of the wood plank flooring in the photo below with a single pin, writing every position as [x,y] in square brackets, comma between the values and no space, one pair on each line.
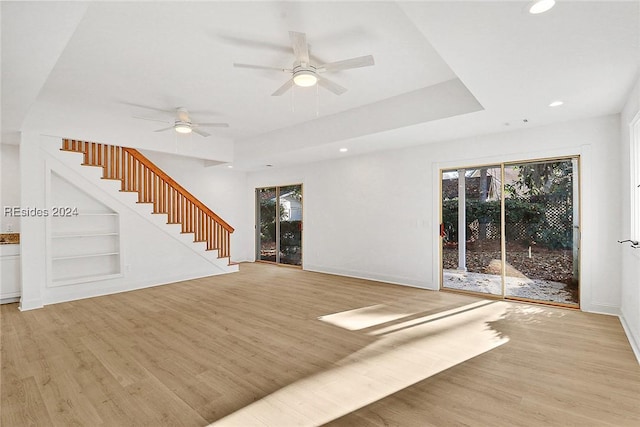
[280,346]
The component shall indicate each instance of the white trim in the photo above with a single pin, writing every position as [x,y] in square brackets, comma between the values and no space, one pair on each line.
[89,293]
[635,346]
[383,278]
[634,171]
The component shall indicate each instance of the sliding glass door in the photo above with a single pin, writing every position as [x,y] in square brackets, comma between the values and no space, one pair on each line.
[512,230]
[471,246]
[541,231]
[279,224]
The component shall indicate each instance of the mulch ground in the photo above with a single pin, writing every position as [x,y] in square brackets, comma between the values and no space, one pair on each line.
[555,265]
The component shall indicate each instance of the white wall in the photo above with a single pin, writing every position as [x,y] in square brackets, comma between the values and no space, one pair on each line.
[376,215]
[630,305]
[218,187]
[10,187]
[150,255]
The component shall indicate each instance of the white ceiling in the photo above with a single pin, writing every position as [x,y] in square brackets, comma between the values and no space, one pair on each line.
[443,70]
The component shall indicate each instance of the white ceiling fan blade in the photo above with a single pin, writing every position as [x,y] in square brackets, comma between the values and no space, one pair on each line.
[212,125]
[282,89]
[162,130]
[153,120]
[331,86]
[146,107]
[361,61]
[199,132]
[260,67]
[300,47]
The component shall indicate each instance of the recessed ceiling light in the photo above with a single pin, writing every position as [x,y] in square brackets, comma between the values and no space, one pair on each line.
[556,103]
[541,6]
[230,166]
[344,150]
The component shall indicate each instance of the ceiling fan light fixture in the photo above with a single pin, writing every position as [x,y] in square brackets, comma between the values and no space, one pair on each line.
[182,128]
[305,78]
[541,6]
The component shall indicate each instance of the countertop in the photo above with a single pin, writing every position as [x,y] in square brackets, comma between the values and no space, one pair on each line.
[9,238]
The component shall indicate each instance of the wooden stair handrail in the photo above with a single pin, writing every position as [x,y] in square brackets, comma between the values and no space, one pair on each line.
[139,174]
[148,163]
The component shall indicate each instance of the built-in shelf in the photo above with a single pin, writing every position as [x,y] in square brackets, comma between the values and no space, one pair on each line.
[85,256]
[84,247]
[80,234]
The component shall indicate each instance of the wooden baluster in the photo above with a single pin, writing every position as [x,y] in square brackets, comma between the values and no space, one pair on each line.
[183,212]
[123,170]
[173,204]
[130,181]
[116,160]
[169,204]
[154,191]
[151,193]
[134,175]
[143,183]
[176,206]
[199,225]
[161,207]
[105,161]
[147,179]
[85,152]
[112,163]
[188,218]
[186,214]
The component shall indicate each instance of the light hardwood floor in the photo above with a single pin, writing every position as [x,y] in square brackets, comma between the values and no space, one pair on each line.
[279,346]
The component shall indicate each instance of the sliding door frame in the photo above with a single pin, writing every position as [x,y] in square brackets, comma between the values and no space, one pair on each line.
[258,242]
[577,198]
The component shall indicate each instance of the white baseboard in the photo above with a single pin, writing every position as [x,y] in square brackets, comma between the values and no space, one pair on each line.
[635,345]
[394,280]
[611,310]
[59,298]
[30,304]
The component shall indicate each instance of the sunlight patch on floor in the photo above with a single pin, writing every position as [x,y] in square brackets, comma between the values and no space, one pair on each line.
[398,359]
[363,318]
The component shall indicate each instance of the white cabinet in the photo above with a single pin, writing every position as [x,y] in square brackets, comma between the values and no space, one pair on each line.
[10,273]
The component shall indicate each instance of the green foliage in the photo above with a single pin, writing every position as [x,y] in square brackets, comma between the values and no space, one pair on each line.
[553,180]
[526,221]
[538,207]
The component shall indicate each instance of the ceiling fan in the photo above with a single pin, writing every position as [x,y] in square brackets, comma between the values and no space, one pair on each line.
[305,74]
[183,123]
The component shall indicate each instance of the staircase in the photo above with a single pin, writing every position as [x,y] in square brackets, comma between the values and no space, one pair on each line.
[138,174]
